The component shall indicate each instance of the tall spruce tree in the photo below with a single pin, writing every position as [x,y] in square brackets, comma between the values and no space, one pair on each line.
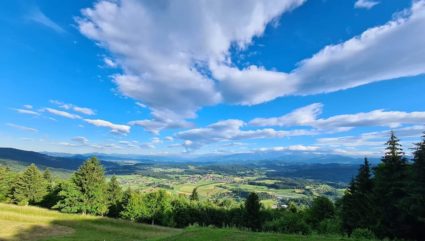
[357,201]
[194,196]
[115,196]
[390,190]
[90,182]
[30,187]
[416,202]
[253,217]
[6,180]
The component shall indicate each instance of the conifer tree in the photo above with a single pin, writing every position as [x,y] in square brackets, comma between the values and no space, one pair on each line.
[416,203]
[252,212]
[357,203]
[194,196]
[47,175]
[30,187]
[132,205]
[6,180]
[90,182]
[115,195]
[389,191]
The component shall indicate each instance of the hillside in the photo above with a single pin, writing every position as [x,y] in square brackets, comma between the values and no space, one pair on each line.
[32,223]
[40,159]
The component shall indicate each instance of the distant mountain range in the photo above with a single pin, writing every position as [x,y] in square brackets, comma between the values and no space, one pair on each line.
[284,164]
[291,157]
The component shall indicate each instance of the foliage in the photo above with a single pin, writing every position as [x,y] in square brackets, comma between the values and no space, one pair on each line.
[89,180]
[322,208]
[6,182]
[30,187]
[288,222]
[252,212]
[194,196]
[389,190]
[358,200]
[362,233]
[114,195]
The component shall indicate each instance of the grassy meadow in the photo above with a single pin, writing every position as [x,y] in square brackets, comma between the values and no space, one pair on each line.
[24,223]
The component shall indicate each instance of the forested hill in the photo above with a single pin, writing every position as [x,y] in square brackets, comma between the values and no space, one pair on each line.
[39,159]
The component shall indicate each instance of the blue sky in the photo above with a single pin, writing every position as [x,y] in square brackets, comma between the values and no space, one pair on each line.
[208,77]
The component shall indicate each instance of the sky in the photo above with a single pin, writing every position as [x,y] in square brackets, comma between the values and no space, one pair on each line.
[198,77]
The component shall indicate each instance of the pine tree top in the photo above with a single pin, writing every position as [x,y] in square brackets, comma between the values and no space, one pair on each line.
[394,151]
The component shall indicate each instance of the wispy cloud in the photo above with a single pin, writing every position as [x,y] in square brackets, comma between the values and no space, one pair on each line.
[61,113]
[82,110]
[115,128]
[368,4]
[37,16]
[308,116]
[27,112]
[22,128]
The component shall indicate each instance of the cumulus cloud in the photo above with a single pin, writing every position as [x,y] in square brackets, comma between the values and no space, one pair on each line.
[228,130]
[308,116]
[165,46]
[62,113]
[115,128]
[368,4]
[372,139]
[82,110]
[302,116]
[22,128]
[301,148]
[393,50]
[177,63]
[159,123]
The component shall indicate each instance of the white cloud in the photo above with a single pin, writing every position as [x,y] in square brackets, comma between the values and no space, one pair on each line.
[28,106]
[308,116]
[250,86]
[115,128]
[289,148]
[156,125]
[37,16]
[231,130]
[82,110]
[169,138]
[302,116]
[27,112]
[393,50]
[80,139]
[368,4]
[22,128]
[109,62]
[372,139]
[165,46]
[177,63]
[62,113]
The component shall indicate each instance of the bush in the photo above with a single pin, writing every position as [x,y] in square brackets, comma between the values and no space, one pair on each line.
[291,223]
[362,233]
[329,226]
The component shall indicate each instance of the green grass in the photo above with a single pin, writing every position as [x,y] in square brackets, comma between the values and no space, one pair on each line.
[216,234]
[19,223]
[32,223]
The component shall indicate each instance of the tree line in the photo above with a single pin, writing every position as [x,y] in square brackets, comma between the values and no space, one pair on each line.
[385,201]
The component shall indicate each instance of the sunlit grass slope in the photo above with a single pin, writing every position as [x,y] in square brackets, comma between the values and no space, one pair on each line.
[31,223]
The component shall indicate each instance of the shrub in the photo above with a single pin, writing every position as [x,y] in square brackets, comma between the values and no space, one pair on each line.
[362,233]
